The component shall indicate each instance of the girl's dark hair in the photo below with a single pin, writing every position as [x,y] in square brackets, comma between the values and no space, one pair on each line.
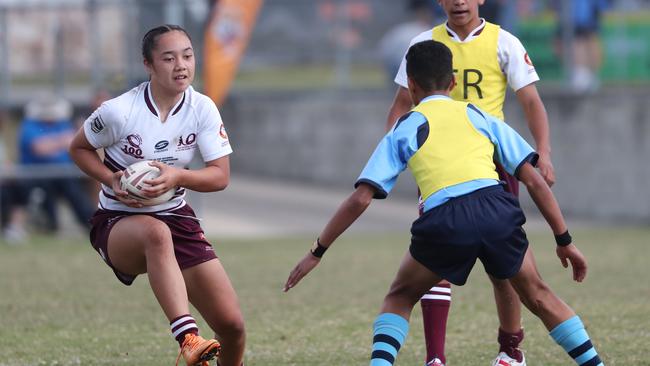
[150,38]
[429,64]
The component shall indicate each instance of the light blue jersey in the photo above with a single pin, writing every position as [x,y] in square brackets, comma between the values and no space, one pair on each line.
[393,152]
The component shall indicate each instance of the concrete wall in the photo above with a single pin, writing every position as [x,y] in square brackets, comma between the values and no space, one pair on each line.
[601,148]
[601,143]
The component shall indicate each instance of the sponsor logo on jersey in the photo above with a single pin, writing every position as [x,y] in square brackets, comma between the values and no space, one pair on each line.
[97,125]
[134,140]
[161,146]
[186,142]
[132,147]
[222,132]
[528,60]
[189,140]
[169,160]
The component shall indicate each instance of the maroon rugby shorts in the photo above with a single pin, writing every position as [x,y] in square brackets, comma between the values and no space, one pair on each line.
[190,246]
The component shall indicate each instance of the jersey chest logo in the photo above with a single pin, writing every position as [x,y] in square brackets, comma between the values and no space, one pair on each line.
[132,146]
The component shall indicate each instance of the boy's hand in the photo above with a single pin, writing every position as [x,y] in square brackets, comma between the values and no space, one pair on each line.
[570,253]
[546,169]
[308,262]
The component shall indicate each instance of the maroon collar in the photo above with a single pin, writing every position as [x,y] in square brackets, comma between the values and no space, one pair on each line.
[152,109]
[475,34]
[179,105]
[481,26]
[147,99]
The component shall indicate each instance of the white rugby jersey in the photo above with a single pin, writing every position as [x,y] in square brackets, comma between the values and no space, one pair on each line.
[129,130]
[511,54]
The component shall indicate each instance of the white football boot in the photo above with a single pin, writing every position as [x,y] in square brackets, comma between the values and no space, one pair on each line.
[435,362]
[504,360]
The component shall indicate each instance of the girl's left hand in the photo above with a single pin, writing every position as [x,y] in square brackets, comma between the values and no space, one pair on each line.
[168,179]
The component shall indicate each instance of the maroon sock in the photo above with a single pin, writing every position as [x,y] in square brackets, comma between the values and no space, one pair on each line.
[435,310]
[183,325]
[509,343]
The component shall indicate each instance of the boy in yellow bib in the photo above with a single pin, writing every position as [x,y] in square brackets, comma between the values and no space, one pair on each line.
[467,215]
[486,60]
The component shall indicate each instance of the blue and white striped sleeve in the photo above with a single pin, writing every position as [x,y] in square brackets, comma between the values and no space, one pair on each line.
[391,155]
[512,151]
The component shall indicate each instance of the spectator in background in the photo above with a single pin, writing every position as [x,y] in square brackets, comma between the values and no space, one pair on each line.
[586,47]
[491,11]
[501,12]
[44,137]
[13,198]
[393,45]
[98,97]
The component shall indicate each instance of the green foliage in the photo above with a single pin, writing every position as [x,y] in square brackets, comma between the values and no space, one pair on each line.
[60,305]
[625,46]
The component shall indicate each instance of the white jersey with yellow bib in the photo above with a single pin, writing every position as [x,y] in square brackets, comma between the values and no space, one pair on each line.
[484,63]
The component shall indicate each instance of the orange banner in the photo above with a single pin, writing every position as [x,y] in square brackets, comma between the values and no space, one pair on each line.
[227,35]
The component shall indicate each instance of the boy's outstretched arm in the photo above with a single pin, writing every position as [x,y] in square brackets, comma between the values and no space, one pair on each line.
[537,119]
[346,214]
[545,200]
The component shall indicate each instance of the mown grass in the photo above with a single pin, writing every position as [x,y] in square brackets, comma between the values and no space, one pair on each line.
[60,305]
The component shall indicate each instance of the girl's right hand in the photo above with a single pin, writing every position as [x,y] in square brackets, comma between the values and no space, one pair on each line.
[122,195]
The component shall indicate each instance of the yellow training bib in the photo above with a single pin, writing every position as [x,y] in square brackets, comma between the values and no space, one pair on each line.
[479,78]
[454,151]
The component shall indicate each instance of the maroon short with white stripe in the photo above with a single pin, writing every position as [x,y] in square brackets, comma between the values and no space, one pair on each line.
[439,293]
[190,245]
[435,311]
[512,183]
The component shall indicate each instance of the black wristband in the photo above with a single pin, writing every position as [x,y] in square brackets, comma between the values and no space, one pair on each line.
[563,239]
[318,250]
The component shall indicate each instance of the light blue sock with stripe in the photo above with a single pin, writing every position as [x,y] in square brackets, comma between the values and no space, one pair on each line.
[572,336]
[389,334]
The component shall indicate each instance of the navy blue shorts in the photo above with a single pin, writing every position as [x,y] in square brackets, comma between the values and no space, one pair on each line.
[485,224]
[190,245]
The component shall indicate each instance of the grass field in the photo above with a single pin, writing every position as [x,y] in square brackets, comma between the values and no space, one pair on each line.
[60,305]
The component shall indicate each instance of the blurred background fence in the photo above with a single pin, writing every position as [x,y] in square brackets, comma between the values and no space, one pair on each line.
[311,95]
[72,45]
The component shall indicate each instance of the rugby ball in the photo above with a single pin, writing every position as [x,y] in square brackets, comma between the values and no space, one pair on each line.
[132,182]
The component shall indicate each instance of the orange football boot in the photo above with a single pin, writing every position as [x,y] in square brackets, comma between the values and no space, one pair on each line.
[196,351]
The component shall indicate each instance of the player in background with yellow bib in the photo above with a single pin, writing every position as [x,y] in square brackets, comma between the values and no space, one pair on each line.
[486,60]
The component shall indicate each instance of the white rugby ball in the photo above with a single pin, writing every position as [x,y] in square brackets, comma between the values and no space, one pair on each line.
[132,182]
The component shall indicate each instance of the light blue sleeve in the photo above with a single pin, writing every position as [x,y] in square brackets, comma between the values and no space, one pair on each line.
[391,155]
[512,151]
